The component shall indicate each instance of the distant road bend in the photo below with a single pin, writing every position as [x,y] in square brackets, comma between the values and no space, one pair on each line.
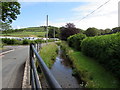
[13,67]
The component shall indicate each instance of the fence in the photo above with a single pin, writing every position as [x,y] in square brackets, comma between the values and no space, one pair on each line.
[35,82]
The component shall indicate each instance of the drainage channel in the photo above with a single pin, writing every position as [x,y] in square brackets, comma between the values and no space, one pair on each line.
[62,71]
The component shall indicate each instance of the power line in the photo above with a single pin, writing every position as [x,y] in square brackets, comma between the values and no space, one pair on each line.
[94,10]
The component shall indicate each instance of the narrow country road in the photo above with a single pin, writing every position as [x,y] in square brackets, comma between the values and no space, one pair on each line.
[13,66]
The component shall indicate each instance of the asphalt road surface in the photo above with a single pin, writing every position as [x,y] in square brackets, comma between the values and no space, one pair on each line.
[13,66]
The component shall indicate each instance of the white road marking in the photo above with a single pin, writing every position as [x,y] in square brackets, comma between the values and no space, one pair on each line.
[6,52]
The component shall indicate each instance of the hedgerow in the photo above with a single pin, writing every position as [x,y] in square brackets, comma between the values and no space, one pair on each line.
[105,49]
[11,41]
[75,40]
[26,41]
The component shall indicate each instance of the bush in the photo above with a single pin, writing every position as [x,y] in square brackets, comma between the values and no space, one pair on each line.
[10,41]
[92,32]
[26,41]
[105,49]
[75,40]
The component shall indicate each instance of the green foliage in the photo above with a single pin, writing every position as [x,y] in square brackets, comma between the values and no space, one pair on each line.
[68,30]
[92,32]
[75,40]
[11,41]
[52,31]
[8,41]
[106,49]
[10,10]
[26,41]
[107,30]
[24,34]
[38,41]
[5,26]
[116,29]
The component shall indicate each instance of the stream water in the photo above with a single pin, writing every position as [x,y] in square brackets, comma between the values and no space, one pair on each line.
[62,71]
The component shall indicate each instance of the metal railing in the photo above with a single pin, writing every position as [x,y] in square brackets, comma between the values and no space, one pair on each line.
[35,82]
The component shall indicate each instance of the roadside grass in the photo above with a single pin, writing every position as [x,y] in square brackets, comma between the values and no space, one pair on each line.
[1,45]
[25,34]
[90,71]
[48,53]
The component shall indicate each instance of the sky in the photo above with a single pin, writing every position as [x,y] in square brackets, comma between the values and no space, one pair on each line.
[60,12]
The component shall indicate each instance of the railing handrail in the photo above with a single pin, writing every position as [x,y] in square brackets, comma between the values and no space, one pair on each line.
[35,75]
[52,82]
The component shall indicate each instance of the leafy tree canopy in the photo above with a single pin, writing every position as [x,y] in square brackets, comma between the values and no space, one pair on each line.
[92,32]
[68,30]
[53,30]
[10,10]
[116,29]
[5,26]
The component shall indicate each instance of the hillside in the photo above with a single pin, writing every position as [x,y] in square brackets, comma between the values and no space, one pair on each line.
[25,32]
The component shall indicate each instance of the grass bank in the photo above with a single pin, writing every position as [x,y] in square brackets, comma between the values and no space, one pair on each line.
[1,45]
[25,34]
[90,71]
[49,53]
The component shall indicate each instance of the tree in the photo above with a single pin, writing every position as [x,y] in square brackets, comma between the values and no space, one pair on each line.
[102,32]
[70,25]
[10,10]
[107,30]
[53,30]
[92,32]
[68,30]
[116,29]
[5,27]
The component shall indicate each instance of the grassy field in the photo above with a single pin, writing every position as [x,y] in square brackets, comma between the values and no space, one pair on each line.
[49,53]
[25,34]
[90,71]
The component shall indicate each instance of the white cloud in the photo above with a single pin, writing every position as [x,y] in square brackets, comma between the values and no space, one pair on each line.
[18,27]
[105,17]
[59,24]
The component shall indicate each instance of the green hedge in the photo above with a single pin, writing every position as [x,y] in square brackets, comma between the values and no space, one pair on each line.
[11,41]
[8,41]
[26,41]
[105,49]
[75,40]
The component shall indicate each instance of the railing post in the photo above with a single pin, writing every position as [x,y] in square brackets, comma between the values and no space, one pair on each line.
[31,56]
[37,47]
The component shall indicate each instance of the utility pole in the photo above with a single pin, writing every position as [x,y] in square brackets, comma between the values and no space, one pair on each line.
[119,14]
[47,29]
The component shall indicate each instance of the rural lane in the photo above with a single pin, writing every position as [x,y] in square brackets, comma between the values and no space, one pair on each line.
[13,66]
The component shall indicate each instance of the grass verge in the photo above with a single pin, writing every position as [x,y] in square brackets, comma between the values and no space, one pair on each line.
[49,53]
[89,70]
[1,45]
